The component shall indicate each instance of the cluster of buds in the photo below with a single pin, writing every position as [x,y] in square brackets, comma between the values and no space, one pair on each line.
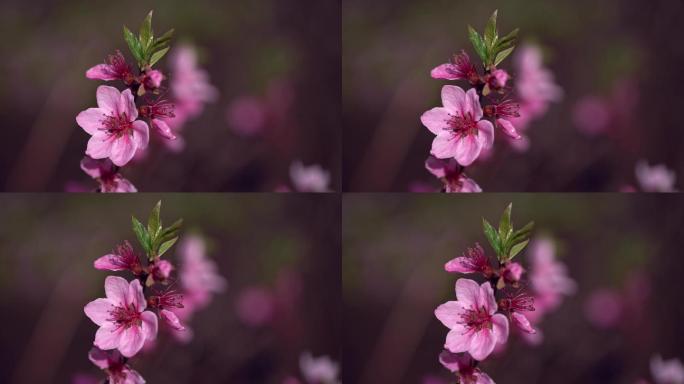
[120,125]
[464,125]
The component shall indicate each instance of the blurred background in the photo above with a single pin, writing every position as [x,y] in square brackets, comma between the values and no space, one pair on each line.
[615,60]
[275,66]
[280,257]
[623,252]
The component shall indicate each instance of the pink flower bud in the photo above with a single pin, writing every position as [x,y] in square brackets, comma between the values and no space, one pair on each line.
[153,79]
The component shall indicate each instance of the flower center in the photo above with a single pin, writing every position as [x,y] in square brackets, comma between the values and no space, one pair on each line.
[125,316]
[477,319]
[117,125]
[463,125]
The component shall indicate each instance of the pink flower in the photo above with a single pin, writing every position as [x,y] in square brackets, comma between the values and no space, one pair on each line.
[116,69]
[123,258]
[549,278]
[158,113]
[117,371]
[153,79]
[161,270]
[309,179]
[515,304]
[246,115]
[535,84]
[105,173]
[460,132]
[475,261]
[464,367]
[656,178]
[115,132]
[255,306]
[603,308]
[512,272]
[320,370]
[498,79]
[189,84]
[459,68]
[164,301]
[667,372]
[591,115]
[474,325]
[198,274]
[124,323]
[504,112]
[452,175]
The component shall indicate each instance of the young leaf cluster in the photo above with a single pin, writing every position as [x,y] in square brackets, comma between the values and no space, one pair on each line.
[506,241]
[154,238]
[490,47]
[147,49]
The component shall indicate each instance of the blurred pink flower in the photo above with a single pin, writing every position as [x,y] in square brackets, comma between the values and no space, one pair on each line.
[464,367]
[246,115]
[319,370]
[604,308]
[459,68]
[124,323]
[112,363]
[460,132]
[311,178]
[199,275]
[591,115]
[122,259]
[549,278]
[473,260]
[255,306]
[116,134]
[474,325]
[667,371]
[657,178]
[452,175]
[115,69]
[105,173]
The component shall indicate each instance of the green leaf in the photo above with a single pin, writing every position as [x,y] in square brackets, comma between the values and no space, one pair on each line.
[170,231]
[133,44]
[516,249]
[492,236]
[490,34]
[505,227]
[502,55]
[166,245]
[478,43]
[146,34]
[507,41]
[162,40]
[158,55]
[141,234]
[154,223]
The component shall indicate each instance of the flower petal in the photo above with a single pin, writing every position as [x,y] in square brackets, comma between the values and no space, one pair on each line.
[116,289]
[108,99]
[150,325]
[458,340]
[141,134]
[107,337]
[459,265]
[473,107]
[482,344]
[486,298]
[133,377]
[91,120]
[127,105]
[508,128]
[436,120]
[454,99]
[444,145]
[467,292]
[132,340]
[171,320]
[107,263]
[136,296]
[483,378]
[98,310]
[446,71]
[122,150]
[467,149]
[522,322]
[99,146]
[163,129]
[99,357]
[485,134]
[449,313]
[101,72]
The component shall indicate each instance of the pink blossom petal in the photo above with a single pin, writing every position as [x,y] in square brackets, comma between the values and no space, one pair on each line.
[449,313]
[444,145]
[116,289]
[472,105]
[483,378]
[132,340]
[486,298]
[458,340]
[136,296]
[141,134]
[127,105]
[91,120]
[163,129]
[436,120]
[454,99]
[98,310]
[99,357]
[107,337]
[108,99]
[101,72]
[508,129]
[522,323]
[482,344]
[124,186]
[469,185]
[99,146]
[150,325]
[171,320]
[459,265]
[485,134]
[122,150]
[106,263]
[445,72]
[133,377]
[467,149]
[500,328]
[467,292]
